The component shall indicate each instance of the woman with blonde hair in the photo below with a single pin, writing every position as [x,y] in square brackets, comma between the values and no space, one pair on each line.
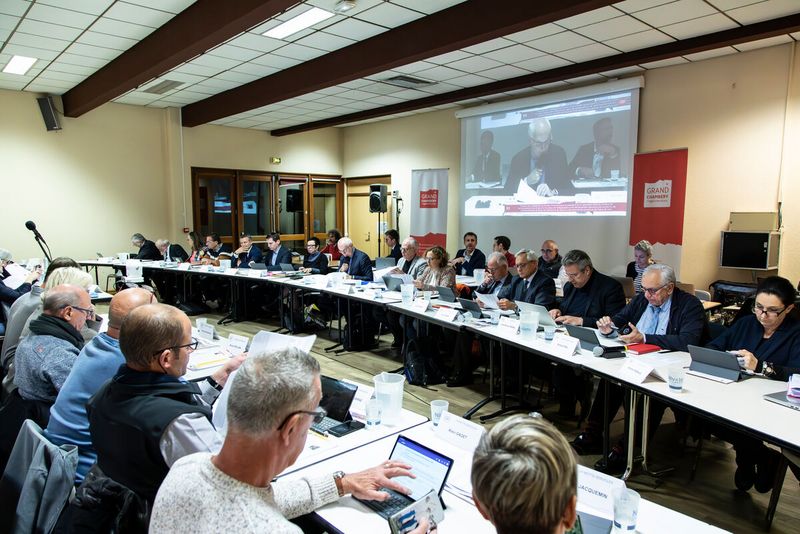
[643,258]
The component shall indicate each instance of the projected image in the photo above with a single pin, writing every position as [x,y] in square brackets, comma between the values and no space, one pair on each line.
[569,158]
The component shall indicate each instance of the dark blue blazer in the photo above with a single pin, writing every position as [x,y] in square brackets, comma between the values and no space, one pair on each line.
[485,289]
[782,349]
[606,297]
[359,267]
[542,290]
[284,256]
[243,260]
[687,321]
[395,253]
[476,261]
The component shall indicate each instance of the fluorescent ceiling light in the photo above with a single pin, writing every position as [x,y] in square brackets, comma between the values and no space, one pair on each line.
[19,65]
[300,22]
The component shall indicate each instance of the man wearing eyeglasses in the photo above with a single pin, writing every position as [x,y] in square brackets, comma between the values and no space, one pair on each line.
[541,166]
[550,260]
[146,417]
[661,315]
[530,285]
[273,401]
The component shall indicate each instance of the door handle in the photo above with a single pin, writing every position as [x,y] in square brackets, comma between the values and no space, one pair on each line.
[368,234]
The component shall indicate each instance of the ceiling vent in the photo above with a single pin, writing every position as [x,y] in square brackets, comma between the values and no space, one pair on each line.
[408,82]
[162,87]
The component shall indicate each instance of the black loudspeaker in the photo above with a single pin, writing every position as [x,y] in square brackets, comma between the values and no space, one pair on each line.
[377,198]
[294,200]
[48,113]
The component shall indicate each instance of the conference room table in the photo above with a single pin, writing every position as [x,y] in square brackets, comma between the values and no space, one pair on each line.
[461,515]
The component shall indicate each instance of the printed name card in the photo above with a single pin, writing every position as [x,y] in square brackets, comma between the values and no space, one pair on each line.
[206,331]
[635,371]
[458,431]
[446,314]
[237,344]
[596,490]
[564,346]
[420,305]
[184,266]
[231,270]
[254,273]
[508,325]
[358,408]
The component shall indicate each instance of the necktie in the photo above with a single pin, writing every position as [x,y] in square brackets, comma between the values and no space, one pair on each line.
[406,266]
[654,326]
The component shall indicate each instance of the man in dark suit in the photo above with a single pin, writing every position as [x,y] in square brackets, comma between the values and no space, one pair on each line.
[147,249]
[171,252]
[487,164]
[246,253]
[530,285]
[497,276]
[542,164]
[588,296]
[392,240]
[470,257]
[277,253]
[661,315]
[354,262]
[597,159]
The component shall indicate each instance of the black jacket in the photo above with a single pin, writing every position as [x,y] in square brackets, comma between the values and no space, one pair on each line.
[687,321]
[550,269]
[175,252]
[476,261]
[606,297]
[284,256]
[485,289]
[149,251]
[395,253]
[553,164]
[542,290]
[319,265]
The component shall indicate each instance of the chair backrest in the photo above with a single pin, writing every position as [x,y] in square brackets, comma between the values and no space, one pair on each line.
[383,263]
[702,294]
[5,309]
[37,483]
[627,286]
[689,288]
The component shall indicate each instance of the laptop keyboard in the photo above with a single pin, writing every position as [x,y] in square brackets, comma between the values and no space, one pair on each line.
[392,505]
[325,425]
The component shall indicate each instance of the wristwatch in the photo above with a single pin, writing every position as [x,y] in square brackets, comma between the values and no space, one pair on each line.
[214,383]
[337,479]
[768,370]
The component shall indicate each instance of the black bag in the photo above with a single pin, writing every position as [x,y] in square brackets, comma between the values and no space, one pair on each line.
[731,293]
[422,367]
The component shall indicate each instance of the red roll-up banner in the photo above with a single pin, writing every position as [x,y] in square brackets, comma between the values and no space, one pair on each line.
[659,196]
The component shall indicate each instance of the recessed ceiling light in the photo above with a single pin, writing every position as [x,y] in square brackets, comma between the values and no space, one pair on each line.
[19,65]
[300,22]
[343,6]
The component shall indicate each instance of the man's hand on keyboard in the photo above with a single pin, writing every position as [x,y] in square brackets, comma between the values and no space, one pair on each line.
[366,484]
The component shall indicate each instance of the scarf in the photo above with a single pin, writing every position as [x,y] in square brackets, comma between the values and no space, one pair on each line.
[47,325]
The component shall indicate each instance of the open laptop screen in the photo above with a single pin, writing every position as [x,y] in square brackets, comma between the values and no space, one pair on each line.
[430,467]
[337,396]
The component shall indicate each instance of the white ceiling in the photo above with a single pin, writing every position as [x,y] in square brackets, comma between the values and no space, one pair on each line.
[74,38]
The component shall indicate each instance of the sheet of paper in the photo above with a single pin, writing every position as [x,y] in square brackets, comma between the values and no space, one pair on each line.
[17,275]
[270,342]
[489,300]
[378,274]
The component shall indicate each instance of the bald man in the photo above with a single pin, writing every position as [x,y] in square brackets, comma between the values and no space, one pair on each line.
[542,165]
[98,362]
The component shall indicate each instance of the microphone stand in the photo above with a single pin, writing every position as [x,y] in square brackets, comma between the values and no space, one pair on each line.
[42,246]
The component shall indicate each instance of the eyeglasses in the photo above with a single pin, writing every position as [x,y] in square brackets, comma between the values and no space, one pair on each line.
[758,309]
[540,144]
[653,290]
[311,245]
[319,415]
[575,275]
[547,250]
[189,346]
[88,311]
[491,269]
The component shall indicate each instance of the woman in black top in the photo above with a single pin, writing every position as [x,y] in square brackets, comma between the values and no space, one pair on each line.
[315,261]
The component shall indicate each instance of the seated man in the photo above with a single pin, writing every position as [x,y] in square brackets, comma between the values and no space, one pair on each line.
[213,289]
[273,400]
[470,257]
[588,296]
[215,250]
[497,276]
[276,253]
[165,281]
[246,253]
[531,285]
[97,362]
[525,477]
[413,265]
[392,239]
[354,262]
[146,417]
[147,249]
[171,252]
[661,315]
[502,244]
[550,262]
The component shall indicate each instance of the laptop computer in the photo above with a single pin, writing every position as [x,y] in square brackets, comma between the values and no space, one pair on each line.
[430,467]
[393,283]
[781,398]
[446,294]
[383,263]
[716,364]
[337,396]
[472,307]
[544,315]
[587,336]
[287,267]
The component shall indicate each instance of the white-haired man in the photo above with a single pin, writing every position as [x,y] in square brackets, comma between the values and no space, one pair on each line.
[542,165]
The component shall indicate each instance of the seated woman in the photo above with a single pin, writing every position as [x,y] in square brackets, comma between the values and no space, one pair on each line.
[196,246]
[643,254]
[768,342]
[438,272]
[315,261]
[330,247]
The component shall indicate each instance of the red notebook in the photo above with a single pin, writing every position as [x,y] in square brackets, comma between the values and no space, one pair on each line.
[642,348]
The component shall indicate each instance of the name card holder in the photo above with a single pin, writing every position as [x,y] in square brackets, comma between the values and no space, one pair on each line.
[237,344]
[508,325]
[206,331]
[446,314]
[460,432]
[564,346]
[420,305]
[635,371]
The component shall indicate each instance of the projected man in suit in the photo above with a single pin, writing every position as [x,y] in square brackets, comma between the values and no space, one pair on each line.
[487,164]
[542,164]
[597,159]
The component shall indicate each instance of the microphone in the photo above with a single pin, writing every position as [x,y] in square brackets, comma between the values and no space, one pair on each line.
[609,352]
[30,225]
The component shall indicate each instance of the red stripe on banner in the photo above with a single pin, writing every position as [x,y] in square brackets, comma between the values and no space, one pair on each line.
[430,240]
[659,196]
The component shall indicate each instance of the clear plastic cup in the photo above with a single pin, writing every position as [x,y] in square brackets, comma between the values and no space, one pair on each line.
[438,407]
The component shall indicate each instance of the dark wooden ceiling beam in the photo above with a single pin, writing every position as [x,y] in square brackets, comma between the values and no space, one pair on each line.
[201,26]
[752,32]
[457,27]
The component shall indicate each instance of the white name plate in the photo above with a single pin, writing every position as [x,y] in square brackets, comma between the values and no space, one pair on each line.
[420,305]
[459,432]
[205,331]
[635,371]
[596,490]
[446,314]
[508,325]
[564,346]
[237,344]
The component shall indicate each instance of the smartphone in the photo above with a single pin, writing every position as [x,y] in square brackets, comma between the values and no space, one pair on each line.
[429,507]
[345,428]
